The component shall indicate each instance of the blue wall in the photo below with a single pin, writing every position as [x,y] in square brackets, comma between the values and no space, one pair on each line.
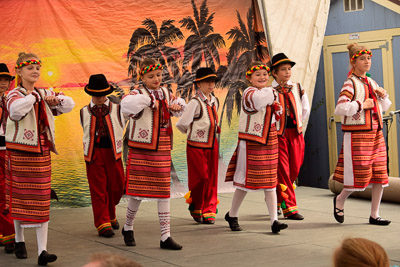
[372,17]
[315,169]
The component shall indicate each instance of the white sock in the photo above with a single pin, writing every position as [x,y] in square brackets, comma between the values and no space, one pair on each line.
[237,200]
[271,200]
[133,206]
[341,198]
[41,235]
[19,232]
[164,218]
[376,192]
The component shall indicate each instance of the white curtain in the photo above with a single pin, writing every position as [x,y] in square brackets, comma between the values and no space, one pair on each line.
[297,28]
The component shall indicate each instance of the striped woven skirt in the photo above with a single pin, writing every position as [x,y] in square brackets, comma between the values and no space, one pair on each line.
[148,172]
[28,178]
[253,165]
[362,160]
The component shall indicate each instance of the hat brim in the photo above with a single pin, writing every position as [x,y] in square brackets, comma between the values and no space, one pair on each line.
[283,61]
[99,93]
[7,74]
[211,77]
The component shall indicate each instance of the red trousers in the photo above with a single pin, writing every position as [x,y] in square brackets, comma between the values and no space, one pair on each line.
[291,156]
[203,181]
[106,182]
[6,223]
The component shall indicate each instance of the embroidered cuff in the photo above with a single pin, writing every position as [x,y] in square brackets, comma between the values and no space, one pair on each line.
[152,101]
[359,106]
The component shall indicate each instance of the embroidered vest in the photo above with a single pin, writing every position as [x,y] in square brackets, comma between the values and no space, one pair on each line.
[361,121]
[23,135]
[295,101]
[202,131]
[255,126]
[114,125]
[144,129]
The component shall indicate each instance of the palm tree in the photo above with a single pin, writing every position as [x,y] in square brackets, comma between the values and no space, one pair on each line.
[152,42]
[248,45]
[203,43]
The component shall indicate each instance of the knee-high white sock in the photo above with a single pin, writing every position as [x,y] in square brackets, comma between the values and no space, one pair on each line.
[164,218]
[341,198]
[271,200]
[237,200]
[377,192]
[19,231]
[41,236]
[133,206]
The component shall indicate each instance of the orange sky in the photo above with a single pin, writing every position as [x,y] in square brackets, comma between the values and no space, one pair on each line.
[77,38]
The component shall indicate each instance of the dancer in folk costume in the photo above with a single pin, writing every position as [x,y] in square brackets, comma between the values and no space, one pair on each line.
[150,139]
[29,140]
[103,126]
[6,222]
[362,161]
[255,161]
[295,109]
[200,122]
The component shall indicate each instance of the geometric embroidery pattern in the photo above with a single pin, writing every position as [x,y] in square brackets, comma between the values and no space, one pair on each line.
[257,127]
[143,133]
[28,134]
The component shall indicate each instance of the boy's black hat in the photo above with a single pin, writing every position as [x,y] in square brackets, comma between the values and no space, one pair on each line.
[279,59]
[203,74]
[4,71]
[98,86]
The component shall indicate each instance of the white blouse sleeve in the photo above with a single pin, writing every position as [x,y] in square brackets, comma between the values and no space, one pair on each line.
[134,103]
[65,106]
[305,106]
[18,106]
[255,99]
[345,106]
[191,111]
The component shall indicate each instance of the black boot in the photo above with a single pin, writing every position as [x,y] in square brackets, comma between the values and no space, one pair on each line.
[277,226]
[170,244]
[129,238]
[9,248]
[233,222]
[20,250]
[45,258]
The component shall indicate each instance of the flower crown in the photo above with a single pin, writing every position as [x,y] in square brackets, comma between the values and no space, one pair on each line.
[147,69]
[256,67]
[28,62]
[359,53]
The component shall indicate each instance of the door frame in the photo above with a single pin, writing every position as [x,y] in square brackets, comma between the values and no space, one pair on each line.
[337,43]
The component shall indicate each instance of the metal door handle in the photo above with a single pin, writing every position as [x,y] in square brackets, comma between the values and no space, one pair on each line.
[331,119]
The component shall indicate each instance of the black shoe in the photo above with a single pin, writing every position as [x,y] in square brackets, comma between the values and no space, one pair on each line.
[45,258]
[115,225]
[277,226]
[379,221]
[9,248]
[107,233]
[170,244]
[336,211]
[208,221]
[20,250]
[296,216]
[129,238]
[199,220]
[233,222]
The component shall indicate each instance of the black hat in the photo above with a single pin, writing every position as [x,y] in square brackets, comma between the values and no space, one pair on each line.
[203,74]
[98,86]
[4,71]
[280,58]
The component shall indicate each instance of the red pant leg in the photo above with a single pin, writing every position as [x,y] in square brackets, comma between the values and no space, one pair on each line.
[115,183]
[97,178]
[6,223]
[210,197]
[291,155]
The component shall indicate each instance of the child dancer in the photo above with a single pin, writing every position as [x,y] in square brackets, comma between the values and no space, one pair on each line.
[295,109]
[29,140]
[150,136]
[103,126]
[6,223]
[362,161]
[254,163]
[200,122]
